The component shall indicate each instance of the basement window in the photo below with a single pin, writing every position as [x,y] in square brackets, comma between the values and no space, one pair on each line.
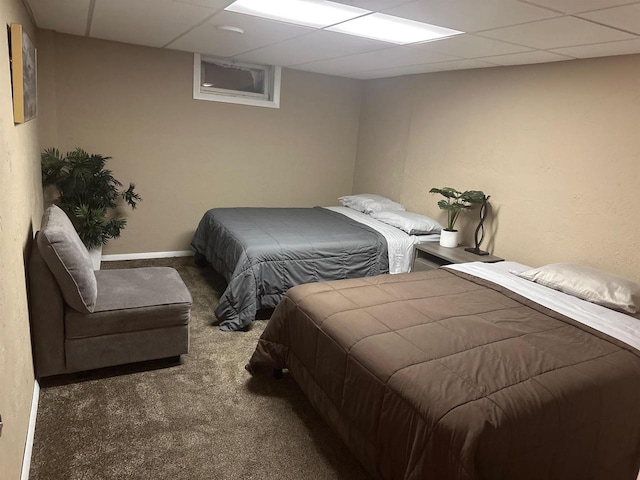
[219,80]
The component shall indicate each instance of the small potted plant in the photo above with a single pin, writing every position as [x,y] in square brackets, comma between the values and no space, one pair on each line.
[455,203]
[88,194]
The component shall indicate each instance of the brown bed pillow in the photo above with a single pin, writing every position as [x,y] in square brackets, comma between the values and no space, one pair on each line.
[588,284]
[68,259]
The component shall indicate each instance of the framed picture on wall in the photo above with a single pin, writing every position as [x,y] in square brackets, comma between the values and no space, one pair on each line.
[24,63]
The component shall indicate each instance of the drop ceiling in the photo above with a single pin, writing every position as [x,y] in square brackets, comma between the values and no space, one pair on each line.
[497,32]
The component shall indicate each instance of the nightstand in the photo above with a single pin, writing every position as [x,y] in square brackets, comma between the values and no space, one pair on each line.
[431,255]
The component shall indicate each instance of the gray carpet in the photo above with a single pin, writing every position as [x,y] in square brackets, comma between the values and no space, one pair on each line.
[205,418]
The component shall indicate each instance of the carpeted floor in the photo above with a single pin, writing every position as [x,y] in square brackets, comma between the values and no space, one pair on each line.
[205,418]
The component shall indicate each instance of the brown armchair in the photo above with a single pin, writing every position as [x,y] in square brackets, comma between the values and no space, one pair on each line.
[82,320]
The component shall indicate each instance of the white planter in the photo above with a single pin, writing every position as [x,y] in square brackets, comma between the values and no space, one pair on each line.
[449,239]
[96,256]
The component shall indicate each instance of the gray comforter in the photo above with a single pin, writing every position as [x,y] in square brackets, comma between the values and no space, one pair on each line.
[262,252]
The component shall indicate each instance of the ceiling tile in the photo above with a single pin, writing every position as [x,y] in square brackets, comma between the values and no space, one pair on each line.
[416,69]
[625,18]
[144,22]
[577,6]
[626,47]
[470,15]
[258,32]
[333,66]
[308,48]
[389,57]
[373,5]
[213,4]
[556,33]
[66,16]
[458,65]
[526,58]
[471,46]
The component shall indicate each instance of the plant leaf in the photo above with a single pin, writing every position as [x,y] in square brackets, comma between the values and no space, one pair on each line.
[88,191]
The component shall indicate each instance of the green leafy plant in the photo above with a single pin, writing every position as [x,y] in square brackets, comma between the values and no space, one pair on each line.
[456,202]
[88,193]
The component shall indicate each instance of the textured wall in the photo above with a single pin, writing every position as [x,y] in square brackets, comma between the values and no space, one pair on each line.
[186,156]
[556,146]
[20,212]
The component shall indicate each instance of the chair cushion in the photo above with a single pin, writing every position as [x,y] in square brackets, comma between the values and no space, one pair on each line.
[131,300]
[68,259]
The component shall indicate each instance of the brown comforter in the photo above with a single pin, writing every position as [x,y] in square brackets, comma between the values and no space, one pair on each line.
[441,375]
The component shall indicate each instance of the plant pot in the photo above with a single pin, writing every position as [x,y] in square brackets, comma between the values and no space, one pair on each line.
[96,256]
[449,238]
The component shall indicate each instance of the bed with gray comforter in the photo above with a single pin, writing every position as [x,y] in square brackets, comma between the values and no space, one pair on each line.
[262,252]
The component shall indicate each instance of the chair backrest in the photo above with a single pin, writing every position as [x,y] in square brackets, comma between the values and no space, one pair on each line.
[68,260]
[46,312]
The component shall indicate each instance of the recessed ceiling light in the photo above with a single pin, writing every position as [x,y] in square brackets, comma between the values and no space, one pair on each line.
[311,13]
[387,28]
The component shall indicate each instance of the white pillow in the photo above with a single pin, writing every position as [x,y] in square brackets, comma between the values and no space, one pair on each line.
[369,203]
[588,284]
[412,223]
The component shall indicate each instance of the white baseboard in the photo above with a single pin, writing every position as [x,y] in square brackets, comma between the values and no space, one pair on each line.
[146,255]
[28,447]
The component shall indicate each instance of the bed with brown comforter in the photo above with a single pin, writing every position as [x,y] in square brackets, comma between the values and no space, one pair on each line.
[442,375]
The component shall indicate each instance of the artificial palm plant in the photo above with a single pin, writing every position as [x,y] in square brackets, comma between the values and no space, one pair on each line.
[89,193]
[457,201]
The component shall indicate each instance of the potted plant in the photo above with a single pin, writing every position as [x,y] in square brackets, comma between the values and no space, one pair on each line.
[88,193]
[455,203]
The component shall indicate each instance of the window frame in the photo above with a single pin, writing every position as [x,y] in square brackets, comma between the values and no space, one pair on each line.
[269,99]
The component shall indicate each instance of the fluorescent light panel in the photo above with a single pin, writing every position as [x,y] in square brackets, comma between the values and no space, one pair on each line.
[311,13]
[387,28]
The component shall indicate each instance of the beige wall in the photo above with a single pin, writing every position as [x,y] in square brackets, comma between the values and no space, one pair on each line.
[555,145]
[186,156]
[20,212]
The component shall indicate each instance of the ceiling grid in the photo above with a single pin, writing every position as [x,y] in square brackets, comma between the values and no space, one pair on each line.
[502,32]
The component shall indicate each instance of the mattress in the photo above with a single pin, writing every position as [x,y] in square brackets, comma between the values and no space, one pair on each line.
[447,375]
[621,326]
[262,252]
[399,244]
